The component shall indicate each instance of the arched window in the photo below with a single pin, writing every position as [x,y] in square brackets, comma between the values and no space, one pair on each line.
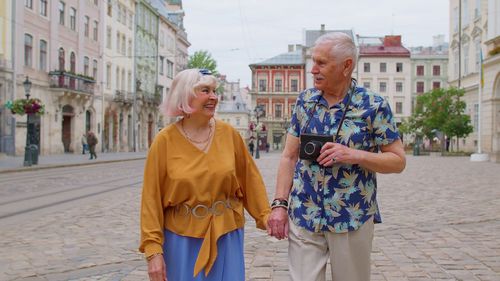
[61,59]
[72,61]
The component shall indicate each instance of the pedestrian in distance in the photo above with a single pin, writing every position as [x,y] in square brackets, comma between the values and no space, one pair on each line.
[251,147]
[340,136]
[198,179]
[92,142]
[84,144]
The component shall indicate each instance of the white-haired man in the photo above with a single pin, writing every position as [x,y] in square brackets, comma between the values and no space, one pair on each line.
[340,136]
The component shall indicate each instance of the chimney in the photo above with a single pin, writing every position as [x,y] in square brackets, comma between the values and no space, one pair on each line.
[392,41]
[290,48]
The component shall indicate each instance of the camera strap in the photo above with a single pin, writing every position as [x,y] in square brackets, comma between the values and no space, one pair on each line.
[353,89]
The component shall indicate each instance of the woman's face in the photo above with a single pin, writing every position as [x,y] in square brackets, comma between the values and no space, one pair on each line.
[205,101]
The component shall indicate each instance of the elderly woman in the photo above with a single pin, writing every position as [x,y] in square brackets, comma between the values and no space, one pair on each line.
[198,178]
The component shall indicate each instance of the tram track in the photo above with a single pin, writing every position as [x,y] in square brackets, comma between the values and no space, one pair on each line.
[47,191]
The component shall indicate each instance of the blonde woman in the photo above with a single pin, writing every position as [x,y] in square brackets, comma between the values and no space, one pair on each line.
[198,179]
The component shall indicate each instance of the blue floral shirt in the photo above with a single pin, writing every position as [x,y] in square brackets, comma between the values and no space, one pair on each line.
[339,198]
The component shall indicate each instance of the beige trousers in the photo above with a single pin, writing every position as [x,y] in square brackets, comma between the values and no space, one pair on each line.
[349,254]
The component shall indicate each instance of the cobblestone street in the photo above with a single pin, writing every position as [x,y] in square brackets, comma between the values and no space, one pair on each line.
[441,222]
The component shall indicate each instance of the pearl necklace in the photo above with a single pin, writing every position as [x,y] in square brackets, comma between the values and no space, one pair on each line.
[210,125]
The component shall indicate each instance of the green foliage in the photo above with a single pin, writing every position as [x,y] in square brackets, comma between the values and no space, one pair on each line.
[26,106]
[203,59]
[440,110]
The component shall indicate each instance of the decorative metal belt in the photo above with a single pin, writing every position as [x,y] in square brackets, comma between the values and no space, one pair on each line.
[201,211]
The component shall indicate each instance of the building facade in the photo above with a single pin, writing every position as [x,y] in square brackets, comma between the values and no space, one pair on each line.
[384,67]
[276,83]
[475,30]
[233,109]
[60,55]
[7,77]
[118,75]
[429,68]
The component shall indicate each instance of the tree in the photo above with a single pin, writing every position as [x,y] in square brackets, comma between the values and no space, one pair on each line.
[440,110]
[203,59]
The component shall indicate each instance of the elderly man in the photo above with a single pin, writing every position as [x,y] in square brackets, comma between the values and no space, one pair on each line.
[344,135]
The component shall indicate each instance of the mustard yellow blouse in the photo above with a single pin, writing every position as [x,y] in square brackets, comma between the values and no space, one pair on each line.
[178,173]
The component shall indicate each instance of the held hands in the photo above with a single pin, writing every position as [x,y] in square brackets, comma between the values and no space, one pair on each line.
[332,153]
[277,224]
[157,269]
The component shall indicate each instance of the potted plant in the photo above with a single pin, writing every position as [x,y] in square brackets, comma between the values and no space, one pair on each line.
[26,106]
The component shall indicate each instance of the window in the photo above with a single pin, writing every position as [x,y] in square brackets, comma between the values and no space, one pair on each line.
[366,67]
[366,85]
[465,13]
[118,39]
[436,70]
[96,2]
[399,67]
[399,87]
[86,22]
[466,59]
[117,85]
[160,65]
[477,48]
[455,64]
[95,31]
[43,8]
[420,87]
[436,85]
[129,76]
[277,85]
[28,4]
[455,19]
[86,66]
[94,69]
[72,18]
[72,62]
[61,59]
[383,67]
[108,37]
[62,7]
[278,110]
[383,87]
[399,107]
[110,8]
[124,42]
[43,55]
[262,85]
[28,49]
[170,69]
[294,85]
[420,70]
[130,48]
[477,9]
[108,76]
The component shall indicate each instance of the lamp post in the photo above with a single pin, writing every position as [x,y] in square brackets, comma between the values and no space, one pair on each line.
[28,151]
[258,112]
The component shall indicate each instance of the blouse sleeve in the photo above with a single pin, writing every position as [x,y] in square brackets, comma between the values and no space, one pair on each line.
[255,198]
[151,203]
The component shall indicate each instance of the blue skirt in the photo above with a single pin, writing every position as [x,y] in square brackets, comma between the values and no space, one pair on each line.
[181,252]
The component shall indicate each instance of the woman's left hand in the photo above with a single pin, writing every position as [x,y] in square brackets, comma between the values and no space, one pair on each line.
[332,153]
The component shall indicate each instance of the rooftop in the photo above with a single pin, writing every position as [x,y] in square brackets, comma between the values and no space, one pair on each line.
[290,58]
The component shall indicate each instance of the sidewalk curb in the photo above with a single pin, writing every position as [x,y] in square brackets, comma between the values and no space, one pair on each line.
[53,166]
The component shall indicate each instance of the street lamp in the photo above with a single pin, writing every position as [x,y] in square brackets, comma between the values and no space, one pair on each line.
[29,150]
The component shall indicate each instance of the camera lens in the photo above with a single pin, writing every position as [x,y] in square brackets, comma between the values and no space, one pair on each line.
[309,148]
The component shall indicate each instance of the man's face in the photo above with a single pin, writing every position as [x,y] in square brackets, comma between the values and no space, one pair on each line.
[327,73]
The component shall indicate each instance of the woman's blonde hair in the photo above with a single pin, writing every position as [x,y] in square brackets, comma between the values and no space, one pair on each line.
[184,87]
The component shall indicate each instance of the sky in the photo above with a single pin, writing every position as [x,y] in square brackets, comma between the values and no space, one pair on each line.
[241,32]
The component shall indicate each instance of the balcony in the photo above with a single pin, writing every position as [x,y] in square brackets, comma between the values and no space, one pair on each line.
[123,98]
[71,81]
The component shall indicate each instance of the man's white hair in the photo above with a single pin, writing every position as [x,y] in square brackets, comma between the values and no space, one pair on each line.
[342,46]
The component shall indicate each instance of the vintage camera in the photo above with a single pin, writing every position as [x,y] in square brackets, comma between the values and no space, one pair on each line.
[310,145]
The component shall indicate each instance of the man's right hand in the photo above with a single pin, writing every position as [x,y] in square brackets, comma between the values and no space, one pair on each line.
[157,269]
[278,223]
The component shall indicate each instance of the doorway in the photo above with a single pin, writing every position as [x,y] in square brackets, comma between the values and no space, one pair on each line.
[67,112]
